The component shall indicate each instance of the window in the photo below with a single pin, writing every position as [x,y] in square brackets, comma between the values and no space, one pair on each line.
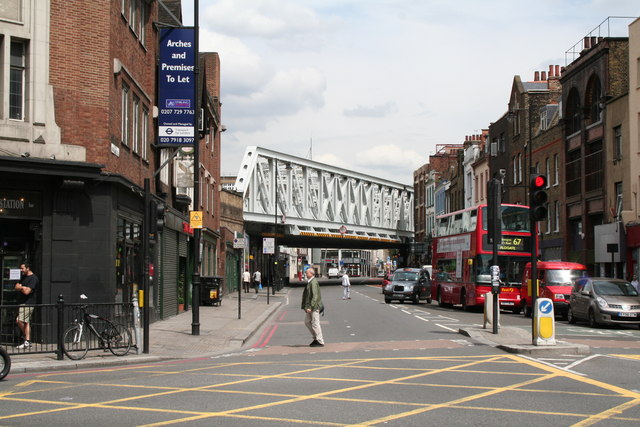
[544,121]
[135,125]
[519,167]
[617,143]
[548,219]
[134,6]
[17,80]
[556,166]
[125,114]
[618,200]
[556,211]
[144,133]
[548,171]
[515,170]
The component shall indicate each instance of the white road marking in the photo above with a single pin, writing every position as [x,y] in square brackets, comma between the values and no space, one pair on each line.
[447,328]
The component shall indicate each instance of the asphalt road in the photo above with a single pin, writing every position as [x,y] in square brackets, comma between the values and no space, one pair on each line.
[384,364]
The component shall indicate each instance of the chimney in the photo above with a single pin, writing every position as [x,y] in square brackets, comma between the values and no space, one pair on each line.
[587,42]
[550,71]
[536,76]
[594,41]
[557,71]
[544,76]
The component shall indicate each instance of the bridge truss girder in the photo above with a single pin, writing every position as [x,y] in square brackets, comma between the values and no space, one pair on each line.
[318,200]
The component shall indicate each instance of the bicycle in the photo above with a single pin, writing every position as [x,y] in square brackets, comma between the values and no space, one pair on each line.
[5,363]
[76,340]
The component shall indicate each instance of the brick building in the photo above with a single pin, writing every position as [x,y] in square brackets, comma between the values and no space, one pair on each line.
[78,140]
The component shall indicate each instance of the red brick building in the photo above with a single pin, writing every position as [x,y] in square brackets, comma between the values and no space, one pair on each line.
[78,141]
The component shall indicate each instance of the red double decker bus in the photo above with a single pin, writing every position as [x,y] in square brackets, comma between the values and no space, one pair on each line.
[462,257]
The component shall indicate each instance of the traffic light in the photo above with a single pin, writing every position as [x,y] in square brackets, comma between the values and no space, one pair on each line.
[538,197]
[156,219]
[159,216]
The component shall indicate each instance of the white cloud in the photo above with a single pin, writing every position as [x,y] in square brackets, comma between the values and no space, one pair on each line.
[376,84]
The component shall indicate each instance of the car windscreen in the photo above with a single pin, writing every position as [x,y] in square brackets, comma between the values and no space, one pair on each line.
[405,276]
[603,287]
[562,277]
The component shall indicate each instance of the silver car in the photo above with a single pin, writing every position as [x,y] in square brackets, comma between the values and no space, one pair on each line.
[601,300]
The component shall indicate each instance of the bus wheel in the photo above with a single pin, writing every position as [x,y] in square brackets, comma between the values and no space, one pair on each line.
[440,303]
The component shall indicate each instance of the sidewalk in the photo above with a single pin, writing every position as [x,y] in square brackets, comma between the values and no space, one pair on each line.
[220,331]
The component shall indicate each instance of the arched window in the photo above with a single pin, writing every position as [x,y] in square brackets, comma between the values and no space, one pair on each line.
[592,99]
[572,113]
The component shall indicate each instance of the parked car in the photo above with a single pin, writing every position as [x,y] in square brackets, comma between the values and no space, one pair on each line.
[412,284]
[601,300]
[333,273]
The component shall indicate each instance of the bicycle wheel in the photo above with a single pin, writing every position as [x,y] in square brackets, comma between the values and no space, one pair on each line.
[119,339]
[75,342]
[5,363]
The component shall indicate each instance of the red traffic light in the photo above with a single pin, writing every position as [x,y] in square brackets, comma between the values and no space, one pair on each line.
[538,181]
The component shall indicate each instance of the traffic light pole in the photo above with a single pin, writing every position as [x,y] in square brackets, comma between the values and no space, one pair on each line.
[145,256]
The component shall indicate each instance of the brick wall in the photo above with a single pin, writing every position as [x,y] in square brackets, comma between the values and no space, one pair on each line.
[86,37]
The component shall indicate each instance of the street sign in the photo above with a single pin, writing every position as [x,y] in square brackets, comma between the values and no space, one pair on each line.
[268,245]
[195,219]
[176,87]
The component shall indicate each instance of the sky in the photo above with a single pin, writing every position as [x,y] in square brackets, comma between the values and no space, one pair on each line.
[374,85]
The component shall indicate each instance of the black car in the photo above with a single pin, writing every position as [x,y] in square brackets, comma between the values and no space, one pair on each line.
[411,284]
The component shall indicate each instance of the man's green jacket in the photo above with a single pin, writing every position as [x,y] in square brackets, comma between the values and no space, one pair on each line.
[311,297]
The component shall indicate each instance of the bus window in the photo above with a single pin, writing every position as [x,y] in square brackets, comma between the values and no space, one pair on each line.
[473,219]
[515,219]
[443,226]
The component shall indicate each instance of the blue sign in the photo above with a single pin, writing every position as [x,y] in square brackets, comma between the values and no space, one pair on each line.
[545,307]
[176,87]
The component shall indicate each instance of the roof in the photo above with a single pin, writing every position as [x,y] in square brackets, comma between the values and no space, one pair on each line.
[535,86]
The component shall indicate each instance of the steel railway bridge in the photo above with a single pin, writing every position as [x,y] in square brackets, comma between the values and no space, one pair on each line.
[310,204]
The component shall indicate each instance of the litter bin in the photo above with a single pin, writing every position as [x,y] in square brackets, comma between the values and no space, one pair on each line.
[210,290]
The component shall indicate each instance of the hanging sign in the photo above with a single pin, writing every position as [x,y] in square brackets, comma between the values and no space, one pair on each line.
[176,87]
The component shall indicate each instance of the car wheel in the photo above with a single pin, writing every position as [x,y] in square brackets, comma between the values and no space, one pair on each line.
[570,317]
[429,300]
[387,300]
[593,323]
[565,315]
[517,310]
[527,311]
[416,299]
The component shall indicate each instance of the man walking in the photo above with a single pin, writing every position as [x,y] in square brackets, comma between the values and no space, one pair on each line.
[312,306]
[246,281]
[346,286]
[26,295]
[257,279]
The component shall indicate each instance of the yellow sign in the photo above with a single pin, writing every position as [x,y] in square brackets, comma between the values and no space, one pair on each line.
[195,219]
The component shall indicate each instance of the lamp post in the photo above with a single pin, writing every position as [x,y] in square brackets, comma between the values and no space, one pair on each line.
[195,312]
[532,222]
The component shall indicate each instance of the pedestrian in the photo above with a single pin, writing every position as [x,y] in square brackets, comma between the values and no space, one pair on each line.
[634,282]
[257,279]
[346,286]
[312,306]
[246,281]
[26,296]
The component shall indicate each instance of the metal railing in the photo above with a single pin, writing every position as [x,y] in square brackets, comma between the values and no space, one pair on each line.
[49,321]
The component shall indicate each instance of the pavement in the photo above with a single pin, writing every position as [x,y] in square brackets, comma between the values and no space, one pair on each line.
[221,331]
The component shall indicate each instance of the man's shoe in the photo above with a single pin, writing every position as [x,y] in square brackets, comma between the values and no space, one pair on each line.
[24,345]
[316,344]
